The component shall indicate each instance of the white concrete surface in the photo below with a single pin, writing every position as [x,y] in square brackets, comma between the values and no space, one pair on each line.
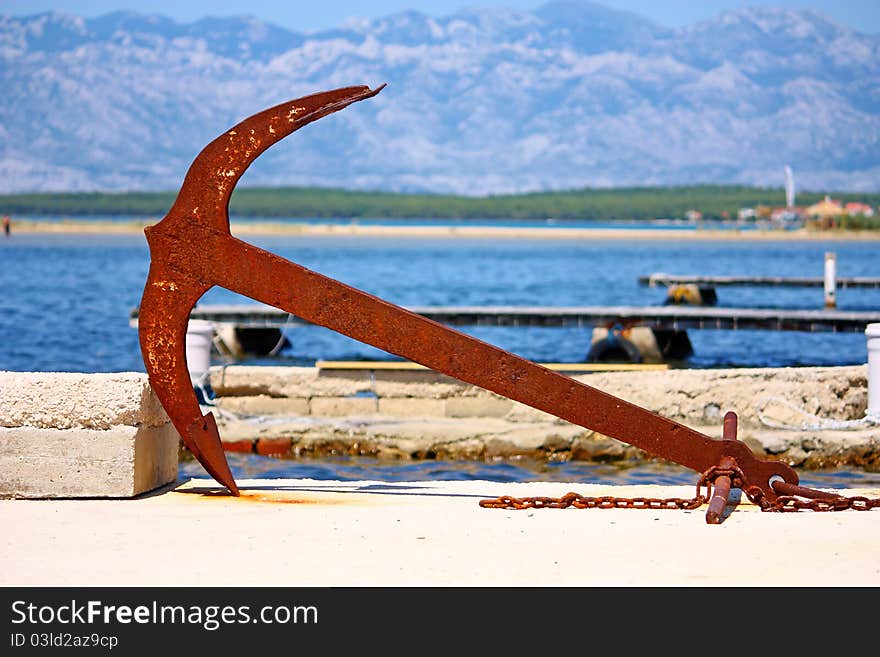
[362,533]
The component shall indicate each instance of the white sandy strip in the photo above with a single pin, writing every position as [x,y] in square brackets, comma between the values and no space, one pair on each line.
[268,228]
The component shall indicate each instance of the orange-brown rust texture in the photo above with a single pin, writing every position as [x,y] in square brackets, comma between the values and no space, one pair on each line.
[269,496]
[273,446]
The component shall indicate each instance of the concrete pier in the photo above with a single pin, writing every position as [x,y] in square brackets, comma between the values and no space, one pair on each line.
[368,533]
[659,317]
[75,435]
[842,282]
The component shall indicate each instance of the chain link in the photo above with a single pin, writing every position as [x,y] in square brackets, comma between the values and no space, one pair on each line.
[582,502]
[789,503]
[783,503]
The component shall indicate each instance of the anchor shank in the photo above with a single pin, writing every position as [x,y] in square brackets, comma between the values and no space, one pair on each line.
[320,300]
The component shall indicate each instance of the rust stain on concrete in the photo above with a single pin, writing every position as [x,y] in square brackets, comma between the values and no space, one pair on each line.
[267,496]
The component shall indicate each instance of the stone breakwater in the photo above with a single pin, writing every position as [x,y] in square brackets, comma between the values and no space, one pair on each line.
[106,435]
[808,417]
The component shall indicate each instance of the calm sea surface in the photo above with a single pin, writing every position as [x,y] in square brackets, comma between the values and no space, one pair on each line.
[253,466]
[65,299]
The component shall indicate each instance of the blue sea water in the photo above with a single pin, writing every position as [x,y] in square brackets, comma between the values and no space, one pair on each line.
[667,224]
[350,468]
[65,301]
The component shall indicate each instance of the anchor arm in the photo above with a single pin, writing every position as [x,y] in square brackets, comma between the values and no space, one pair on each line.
[172,289]
[212,176]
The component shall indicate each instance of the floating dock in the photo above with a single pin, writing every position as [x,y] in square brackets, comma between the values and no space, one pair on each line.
[370,365]
[251,316]
[654,280]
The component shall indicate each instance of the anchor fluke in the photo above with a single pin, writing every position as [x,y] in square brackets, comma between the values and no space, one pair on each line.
[182,269]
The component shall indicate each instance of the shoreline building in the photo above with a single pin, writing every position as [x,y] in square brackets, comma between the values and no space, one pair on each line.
[827,208]
[855,209]
[826,212]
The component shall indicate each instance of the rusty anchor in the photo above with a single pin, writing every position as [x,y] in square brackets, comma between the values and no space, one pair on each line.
[192,250]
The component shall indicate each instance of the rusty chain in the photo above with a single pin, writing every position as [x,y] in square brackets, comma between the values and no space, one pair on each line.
[787,503]
[582,502]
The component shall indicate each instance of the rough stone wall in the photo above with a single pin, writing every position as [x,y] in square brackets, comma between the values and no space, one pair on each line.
[798,414]
[106,435]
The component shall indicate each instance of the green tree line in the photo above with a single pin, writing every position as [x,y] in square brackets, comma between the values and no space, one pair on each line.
[636,203]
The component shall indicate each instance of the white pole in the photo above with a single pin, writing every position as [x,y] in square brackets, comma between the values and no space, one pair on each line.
[872,332]
[830,280]
[199,337]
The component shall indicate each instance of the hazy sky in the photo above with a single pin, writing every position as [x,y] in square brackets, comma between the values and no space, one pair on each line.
[864,15]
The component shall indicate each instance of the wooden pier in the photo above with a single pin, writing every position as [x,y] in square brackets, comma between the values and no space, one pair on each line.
[669,280]
[255,316]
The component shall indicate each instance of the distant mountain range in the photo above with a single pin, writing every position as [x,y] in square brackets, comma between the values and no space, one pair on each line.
[570,95]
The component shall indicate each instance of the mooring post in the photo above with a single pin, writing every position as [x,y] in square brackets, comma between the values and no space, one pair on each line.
[830,279]
[721,493]
[872,333]
[199,338]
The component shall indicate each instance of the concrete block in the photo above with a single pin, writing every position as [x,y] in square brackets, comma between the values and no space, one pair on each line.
[122,461]
[265,405]
[343,406]
[419,383]
[67,400]
[481,406]
[243,445]
[249,380]
[542,437]
[273,446]
[429,434]
[705,395]
[412,407]
[524,413]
